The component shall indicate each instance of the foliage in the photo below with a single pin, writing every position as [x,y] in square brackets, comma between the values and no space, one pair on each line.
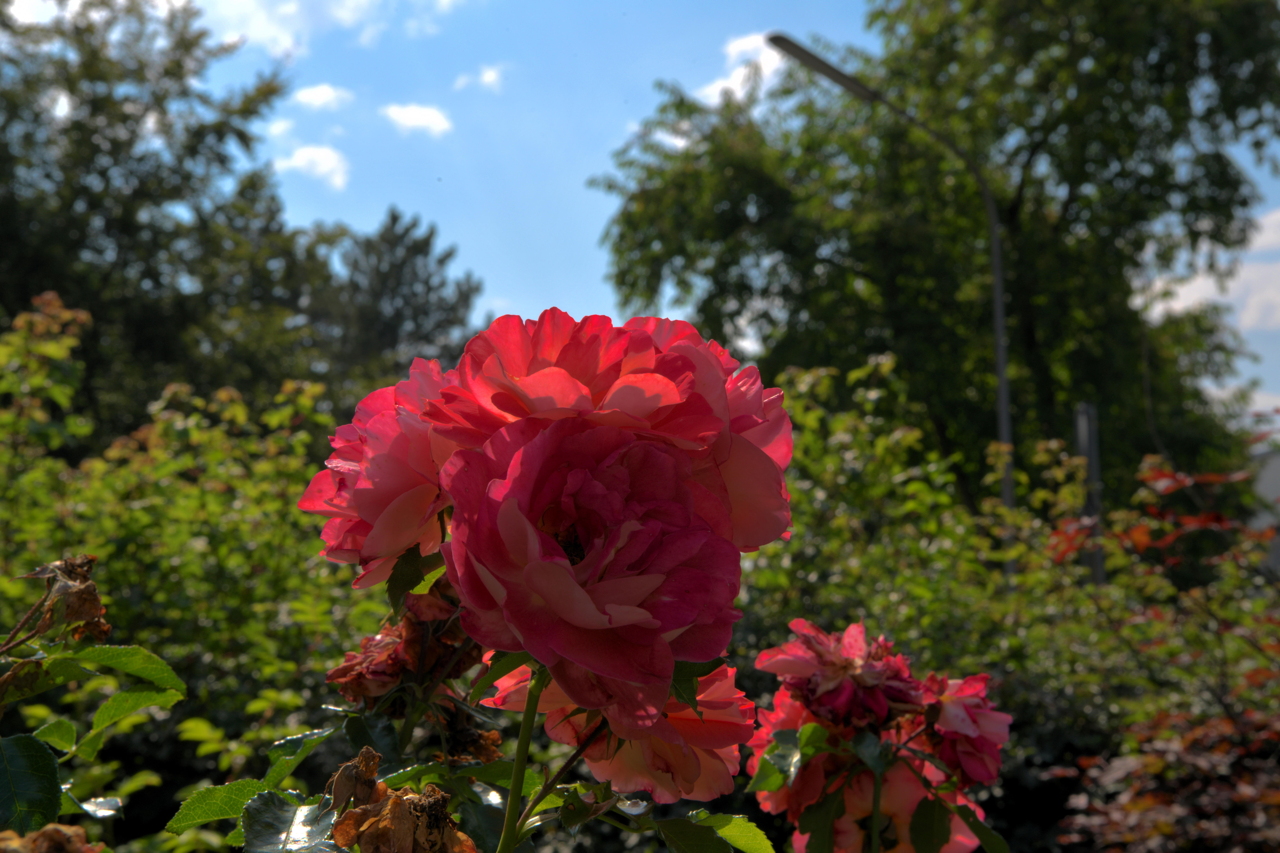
[826,230]
[132,189]
[1209,784]
[880,534]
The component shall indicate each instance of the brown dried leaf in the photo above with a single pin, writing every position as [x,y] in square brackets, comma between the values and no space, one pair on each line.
[356,782]
[403,822]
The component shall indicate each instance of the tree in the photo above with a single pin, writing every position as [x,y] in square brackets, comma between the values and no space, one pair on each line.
[132,191]
[827,231]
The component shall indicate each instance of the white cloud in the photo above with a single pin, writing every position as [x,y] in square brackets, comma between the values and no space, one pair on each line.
[739,54]
[318,161]
[284,27]
[410,117]
[1254,290]
[323,97]
[279,127]
[489,77]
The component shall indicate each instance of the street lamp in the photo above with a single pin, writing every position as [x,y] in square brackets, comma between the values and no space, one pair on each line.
[1004,426]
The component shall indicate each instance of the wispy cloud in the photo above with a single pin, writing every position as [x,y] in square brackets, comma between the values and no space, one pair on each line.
[488,77]
[740,53]
[411,117]
[1254,290]
[323,97]
[317,161]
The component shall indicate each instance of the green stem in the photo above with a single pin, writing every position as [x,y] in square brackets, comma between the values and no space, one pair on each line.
[511,826]
[551,783]
[875,813]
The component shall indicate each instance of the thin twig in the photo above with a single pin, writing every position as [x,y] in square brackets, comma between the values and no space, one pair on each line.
[550,784]
[22,623]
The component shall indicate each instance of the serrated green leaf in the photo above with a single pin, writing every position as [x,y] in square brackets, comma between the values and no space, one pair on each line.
[930,825]
[501,664]
[812,740]
[497,774]
[272,824]
[69,804]
[131,700]
[870,749]
[409,571]
[784,754]
[217,802]
[29,677]
[379,734]
[684,680]
[285,755]
[738,831]
[88,748]
[991,840]
[135,661]
[429,581]
[102,807]
[685,836]
[818,822]
[767,778]
[59,734]
[431,772]
[30,794]
[484,825]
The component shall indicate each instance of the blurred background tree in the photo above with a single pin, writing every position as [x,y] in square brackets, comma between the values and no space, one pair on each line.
[131,190]
[813,229]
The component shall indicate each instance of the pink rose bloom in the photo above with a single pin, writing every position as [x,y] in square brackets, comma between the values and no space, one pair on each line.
[380,486]
[681,756]
[584,545]
[971,730]
[656,378]
[900,794]
[788,713]
[842,678]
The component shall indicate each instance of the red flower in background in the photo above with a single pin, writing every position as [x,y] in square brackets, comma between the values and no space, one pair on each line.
[380,486]
[971,730]
[841,677]
[687,754]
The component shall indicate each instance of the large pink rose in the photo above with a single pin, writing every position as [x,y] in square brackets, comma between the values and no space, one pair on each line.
[585,546]
[380,486]
[686,754]
[656,378]
[841,677]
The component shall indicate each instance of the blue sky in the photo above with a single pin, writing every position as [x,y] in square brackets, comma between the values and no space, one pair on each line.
[487,117]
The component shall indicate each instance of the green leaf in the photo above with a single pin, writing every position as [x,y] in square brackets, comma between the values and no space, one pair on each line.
[376,732]
[738,831]
[88,748]
[484,825]
[285,755]
[812,741]
[135,661]
[59,734]
[429,581]
[501,664]
[218,802]
[819,821]
[30,794]
[29,677]
[868,747]
[930,825]
[409,571]
[431,772]
[272,824]
[685,836]
[131,700]
[784,754]
[684,680]
[767,778]
[991,840]
[497,774]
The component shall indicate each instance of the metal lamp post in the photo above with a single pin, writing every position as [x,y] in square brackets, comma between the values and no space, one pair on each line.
[1004,425]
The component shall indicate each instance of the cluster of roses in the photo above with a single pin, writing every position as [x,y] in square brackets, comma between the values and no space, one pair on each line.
[596,485]
[925,734]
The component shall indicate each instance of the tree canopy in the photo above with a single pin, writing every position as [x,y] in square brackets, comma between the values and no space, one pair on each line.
[135,192]
[825,230]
